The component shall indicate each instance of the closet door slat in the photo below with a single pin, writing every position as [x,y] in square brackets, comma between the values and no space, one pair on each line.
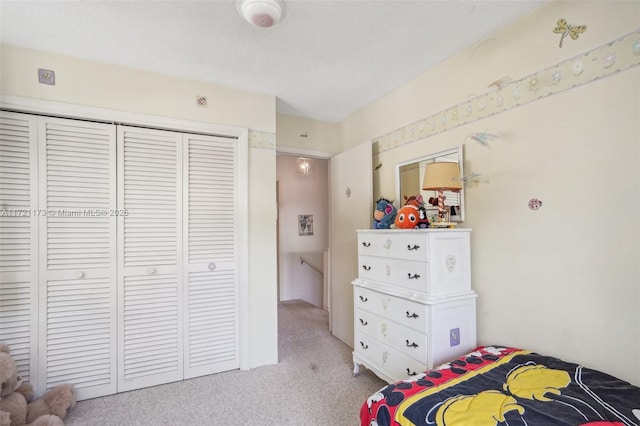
[77,255]
[150,240]
[210,258]
[19,237]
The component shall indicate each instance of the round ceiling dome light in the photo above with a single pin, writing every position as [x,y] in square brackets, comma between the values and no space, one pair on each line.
[262,13]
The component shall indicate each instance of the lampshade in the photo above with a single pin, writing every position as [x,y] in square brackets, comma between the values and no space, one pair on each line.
[442,176]
[305,166]
[262,13]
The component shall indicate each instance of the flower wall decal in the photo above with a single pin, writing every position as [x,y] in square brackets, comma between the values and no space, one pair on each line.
[507,93]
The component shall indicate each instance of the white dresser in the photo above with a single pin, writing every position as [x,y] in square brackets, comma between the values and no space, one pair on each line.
[413,304]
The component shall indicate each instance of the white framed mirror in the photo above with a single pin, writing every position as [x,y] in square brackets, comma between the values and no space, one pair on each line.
[409,175]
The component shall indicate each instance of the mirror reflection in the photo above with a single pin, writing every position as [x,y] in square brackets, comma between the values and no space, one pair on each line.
[409,178]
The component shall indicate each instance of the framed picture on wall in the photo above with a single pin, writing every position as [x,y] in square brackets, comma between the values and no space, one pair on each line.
[305,224]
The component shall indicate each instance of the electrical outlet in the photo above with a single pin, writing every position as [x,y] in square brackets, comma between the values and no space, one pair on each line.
[46,76]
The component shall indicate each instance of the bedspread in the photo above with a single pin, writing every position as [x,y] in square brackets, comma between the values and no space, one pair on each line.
[505,386]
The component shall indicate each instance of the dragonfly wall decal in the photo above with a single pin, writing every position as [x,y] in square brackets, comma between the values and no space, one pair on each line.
[483,138]
[566,29]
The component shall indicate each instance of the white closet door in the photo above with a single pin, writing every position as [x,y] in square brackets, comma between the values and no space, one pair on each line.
[350,200]
[150,241]
[211,267]
[77,255]
[19,240]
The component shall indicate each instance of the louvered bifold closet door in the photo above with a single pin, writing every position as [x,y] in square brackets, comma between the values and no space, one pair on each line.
[77,255]
[150,272]
[19,240]
[211,255]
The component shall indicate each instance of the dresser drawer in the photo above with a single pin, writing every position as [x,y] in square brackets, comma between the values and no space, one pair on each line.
[408,274]
[398,245]
[406,340]
[394,363]
[404,312]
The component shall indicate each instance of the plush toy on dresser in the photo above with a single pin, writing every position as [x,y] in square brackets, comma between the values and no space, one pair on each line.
[384,214]
[412,215]
[17,406]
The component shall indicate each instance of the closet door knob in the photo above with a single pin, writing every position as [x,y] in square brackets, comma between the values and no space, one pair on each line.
[212,266]
[151,271]
[79,274]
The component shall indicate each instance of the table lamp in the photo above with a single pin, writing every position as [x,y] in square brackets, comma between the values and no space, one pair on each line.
[442,176]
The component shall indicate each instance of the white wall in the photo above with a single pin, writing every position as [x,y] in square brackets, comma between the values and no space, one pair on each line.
[263,306]
[95,84]
[299,194]
[304,134]
[563,280]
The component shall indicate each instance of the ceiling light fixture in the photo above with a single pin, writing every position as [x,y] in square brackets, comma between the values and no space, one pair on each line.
[305,166]
[262,13]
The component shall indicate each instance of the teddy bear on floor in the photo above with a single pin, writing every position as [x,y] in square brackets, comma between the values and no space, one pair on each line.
[16,398]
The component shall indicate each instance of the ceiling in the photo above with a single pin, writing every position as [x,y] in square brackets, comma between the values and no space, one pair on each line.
[325,60]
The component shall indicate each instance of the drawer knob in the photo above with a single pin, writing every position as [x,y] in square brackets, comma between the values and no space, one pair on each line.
[364,299]
[79,274]
[363,322]
[364,346]
[413,315]
[410,373]
[412,247]
[411,345]
[413,277]
[366,244]
[366,268]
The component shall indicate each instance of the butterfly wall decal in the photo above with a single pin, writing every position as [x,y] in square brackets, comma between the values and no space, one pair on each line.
[566,29]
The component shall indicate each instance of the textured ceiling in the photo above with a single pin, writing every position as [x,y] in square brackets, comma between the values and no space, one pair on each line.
[325,60]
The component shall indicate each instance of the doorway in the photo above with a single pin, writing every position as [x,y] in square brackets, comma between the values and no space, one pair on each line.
[302,191]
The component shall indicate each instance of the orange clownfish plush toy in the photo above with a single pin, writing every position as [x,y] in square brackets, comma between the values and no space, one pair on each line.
[412,215]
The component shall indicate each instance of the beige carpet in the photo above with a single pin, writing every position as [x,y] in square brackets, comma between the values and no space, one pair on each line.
[312,384]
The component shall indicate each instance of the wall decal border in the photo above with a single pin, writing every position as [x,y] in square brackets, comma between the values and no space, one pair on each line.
[611,58]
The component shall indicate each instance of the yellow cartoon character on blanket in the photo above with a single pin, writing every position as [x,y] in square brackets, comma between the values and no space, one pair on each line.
[489,407]
[484,409]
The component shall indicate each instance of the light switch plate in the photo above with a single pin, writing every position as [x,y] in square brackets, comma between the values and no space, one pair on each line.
[454,337]
[46,76]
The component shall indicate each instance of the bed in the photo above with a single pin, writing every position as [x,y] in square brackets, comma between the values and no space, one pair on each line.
[496,385]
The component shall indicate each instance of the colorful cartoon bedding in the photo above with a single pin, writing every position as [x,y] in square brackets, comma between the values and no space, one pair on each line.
[505,386]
